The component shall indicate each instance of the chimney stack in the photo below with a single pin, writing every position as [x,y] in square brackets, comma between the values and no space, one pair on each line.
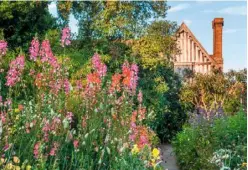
[217,25]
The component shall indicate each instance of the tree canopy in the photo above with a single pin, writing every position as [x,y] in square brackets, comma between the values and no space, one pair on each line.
[20,21]
[112,19]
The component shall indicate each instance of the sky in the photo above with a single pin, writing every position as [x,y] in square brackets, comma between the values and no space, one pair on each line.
[198,16]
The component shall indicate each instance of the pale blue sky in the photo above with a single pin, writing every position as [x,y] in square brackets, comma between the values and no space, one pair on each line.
[198,16]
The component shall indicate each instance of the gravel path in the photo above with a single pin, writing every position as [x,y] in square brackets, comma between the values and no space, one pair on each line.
[169,159]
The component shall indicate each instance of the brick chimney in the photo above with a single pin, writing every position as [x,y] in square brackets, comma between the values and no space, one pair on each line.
[217,25]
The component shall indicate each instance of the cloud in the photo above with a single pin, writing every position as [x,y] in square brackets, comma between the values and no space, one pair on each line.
[228,30]
[187,22]
[179,7]
[236,10]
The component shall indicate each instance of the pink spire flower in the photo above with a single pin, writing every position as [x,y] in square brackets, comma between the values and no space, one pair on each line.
[3,47]
[34,49]
[15,71]
[66,37]
[130,74]
[98,65]
[47,54]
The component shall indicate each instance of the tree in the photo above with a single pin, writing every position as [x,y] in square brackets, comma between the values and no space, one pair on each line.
[20,21]
[112,19]
[160,84]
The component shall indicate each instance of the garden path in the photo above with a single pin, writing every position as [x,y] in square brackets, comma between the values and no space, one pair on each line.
[168,157]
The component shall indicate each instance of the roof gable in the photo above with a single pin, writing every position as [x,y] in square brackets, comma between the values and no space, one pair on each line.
[184,27]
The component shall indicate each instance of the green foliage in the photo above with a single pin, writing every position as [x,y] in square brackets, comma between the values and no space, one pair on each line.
[211,92]
[20,21]
[195,147]
[112,19]
[161,86]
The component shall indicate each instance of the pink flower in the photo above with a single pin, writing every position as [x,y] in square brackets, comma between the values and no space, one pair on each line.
[46,128]
[143,140]
[54,149]
[3,117]
[34,49]
[3,47]
[75,144]
[140,96]
[66,36]
[47,54]
[134,77]
[100,67]
[79,84]
[6,147]
[67,86]
[36,149]
[69,116]
[15,71]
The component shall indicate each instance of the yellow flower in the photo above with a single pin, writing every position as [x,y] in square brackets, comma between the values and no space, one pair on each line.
[9,166]
[17,168]
[156,153]
[28,167]
[135,149]
[2,161]
[16,159]
[244,164]
[17,110]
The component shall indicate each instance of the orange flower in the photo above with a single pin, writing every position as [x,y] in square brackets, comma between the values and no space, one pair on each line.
[20,107]
[93,78]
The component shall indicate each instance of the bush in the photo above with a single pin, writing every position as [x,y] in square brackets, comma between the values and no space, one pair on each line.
[213,145]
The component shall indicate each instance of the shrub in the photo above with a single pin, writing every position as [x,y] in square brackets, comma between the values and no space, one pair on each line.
[203,146]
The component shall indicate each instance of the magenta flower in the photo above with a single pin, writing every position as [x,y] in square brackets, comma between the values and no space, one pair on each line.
[34,49]
[66,37]
[3,47]
[15,71]
[98,65]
